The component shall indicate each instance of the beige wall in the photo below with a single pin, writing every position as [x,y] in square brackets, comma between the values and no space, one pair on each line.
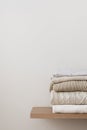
[37,38]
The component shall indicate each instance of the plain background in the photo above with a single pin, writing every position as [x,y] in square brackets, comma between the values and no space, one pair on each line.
[38,38]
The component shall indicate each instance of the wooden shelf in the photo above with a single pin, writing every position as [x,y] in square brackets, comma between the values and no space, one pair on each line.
[46,113]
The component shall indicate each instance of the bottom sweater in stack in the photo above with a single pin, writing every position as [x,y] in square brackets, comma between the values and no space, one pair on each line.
[69,94]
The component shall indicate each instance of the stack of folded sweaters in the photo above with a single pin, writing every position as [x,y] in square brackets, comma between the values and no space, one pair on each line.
[69,93]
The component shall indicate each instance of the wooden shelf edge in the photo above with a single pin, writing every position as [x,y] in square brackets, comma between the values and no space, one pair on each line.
[46,113]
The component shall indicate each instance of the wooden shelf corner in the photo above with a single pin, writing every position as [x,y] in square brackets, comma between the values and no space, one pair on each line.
[46,113]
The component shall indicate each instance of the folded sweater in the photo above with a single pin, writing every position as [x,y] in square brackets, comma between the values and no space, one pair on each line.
[69,108]
[75,83]
[70,86]
[68,98]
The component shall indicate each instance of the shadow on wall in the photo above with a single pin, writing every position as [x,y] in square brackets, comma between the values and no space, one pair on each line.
[54,124]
